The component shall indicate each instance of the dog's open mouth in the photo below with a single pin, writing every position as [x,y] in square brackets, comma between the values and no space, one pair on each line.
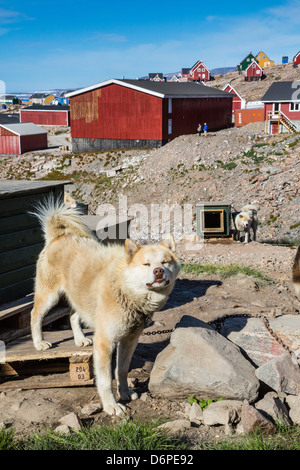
[158,283]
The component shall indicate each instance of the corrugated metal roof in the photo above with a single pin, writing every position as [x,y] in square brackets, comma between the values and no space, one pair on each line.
[162,89]
[282,91]
[45,107]
[24,128]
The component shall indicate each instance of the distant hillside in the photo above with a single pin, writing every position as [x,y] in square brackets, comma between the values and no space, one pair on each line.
[253,91]
[222,70]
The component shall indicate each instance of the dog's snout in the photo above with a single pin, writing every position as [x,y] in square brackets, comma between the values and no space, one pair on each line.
[158,273]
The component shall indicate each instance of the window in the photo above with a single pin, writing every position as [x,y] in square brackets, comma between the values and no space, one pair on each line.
[253,65]
[294,106]
[170,105]
[169,126]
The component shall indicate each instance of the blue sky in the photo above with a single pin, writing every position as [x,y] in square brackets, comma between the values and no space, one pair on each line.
[71,44]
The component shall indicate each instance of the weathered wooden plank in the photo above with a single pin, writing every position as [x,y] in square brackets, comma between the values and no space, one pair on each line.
[16,291]
[63,345]
[10,336]
[17,275]
[35,383]
[14,240]
[14,259]
[17,306]
[14,222]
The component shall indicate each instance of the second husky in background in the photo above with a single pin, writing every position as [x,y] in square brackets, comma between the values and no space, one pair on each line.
[245,220]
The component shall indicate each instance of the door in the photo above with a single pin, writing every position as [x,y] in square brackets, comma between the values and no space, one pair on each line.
[276,108]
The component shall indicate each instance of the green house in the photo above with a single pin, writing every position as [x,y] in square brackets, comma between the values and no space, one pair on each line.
[246,62]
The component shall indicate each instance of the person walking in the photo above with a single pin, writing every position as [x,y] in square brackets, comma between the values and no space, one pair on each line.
[199,129]
[205,129]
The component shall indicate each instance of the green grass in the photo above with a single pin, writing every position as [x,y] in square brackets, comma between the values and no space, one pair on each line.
[127,435]
[224,271]
[132,435]
[286,438]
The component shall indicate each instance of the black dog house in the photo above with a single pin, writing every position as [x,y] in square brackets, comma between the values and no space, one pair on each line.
[213,219]
[21,238]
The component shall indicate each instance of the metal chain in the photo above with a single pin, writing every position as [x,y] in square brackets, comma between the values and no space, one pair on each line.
[220,320]
[265,321]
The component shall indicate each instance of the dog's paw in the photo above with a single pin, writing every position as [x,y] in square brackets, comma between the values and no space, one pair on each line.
[129,395]
[117,409]
[83,342]
[42,345]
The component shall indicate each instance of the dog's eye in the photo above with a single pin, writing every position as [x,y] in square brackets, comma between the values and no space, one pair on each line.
[146,264]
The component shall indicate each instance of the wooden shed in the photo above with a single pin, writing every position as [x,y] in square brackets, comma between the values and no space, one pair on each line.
[21,238]
[143,113]
[47,115]
[16,139]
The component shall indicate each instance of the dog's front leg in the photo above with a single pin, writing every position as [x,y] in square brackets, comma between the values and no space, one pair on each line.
[125,350]
[103,350]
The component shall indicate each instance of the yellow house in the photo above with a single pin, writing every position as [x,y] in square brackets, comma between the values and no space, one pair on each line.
[263,60]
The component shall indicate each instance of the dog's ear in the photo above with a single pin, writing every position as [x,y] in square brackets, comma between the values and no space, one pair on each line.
[169,242]
[131,249]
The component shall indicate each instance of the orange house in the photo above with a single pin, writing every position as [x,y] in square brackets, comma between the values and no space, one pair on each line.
[263,60]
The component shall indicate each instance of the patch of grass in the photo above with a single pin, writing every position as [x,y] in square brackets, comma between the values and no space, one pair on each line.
[226,166]
[286,438]
[224,271]
[127,435]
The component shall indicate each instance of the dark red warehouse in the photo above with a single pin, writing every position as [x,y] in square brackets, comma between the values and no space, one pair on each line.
[51,115]
[119,114]
[16,139]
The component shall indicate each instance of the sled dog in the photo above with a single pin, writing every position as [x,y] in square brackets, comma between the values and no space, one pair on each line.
[245,220]
[112,289]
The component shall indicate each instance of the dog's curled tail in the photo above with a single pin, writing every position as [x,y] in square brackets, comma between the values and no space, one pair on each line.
[296,273]
[57,218]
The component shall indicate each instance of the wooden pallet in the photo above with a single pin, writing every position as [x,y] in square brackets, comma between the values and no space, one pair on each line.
[24,365]
[15,317]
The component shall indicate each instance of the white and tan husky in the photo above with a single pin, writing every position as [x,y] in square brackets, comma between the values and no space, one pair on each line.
[245,220]
[113,289]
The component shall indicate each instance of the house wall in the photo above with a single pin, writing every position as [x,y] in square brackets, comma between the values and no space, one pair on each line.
[294,116]
[58,118]
[33,142]
[199,73]
[116,112]
[188,112]
[253,72]
[9,142]
[245,116]
[297,59]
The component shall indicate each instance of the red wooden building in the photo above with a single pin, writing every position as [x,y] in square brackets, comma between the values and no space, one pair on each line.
[253,72]
[296,59]
[199,72]
[238,102]
[142,113]
[282,107]
[51,115]
[16,139]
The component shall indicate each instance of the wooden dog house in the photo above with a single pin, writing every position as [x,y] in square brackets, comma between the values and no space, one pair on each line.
[213,219]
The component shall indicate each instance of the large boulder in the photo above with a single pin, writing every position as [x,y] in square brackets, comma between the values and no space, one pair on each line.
[282,374]
[252,336]
[202,363]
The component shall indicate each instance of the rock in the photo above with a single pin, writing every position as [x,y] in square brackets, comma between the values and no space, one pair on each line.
[200,362]
[63,429]
[195,413]
[273,409]
[71,420]
[251,335]
[293,403]
[281,374]
[252,419]
[173,427]
[91,409]
[223,412]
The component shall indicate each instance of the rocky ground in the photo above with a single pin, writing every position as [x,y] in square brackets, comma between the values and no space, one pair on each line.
[203,296]
[238,165]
